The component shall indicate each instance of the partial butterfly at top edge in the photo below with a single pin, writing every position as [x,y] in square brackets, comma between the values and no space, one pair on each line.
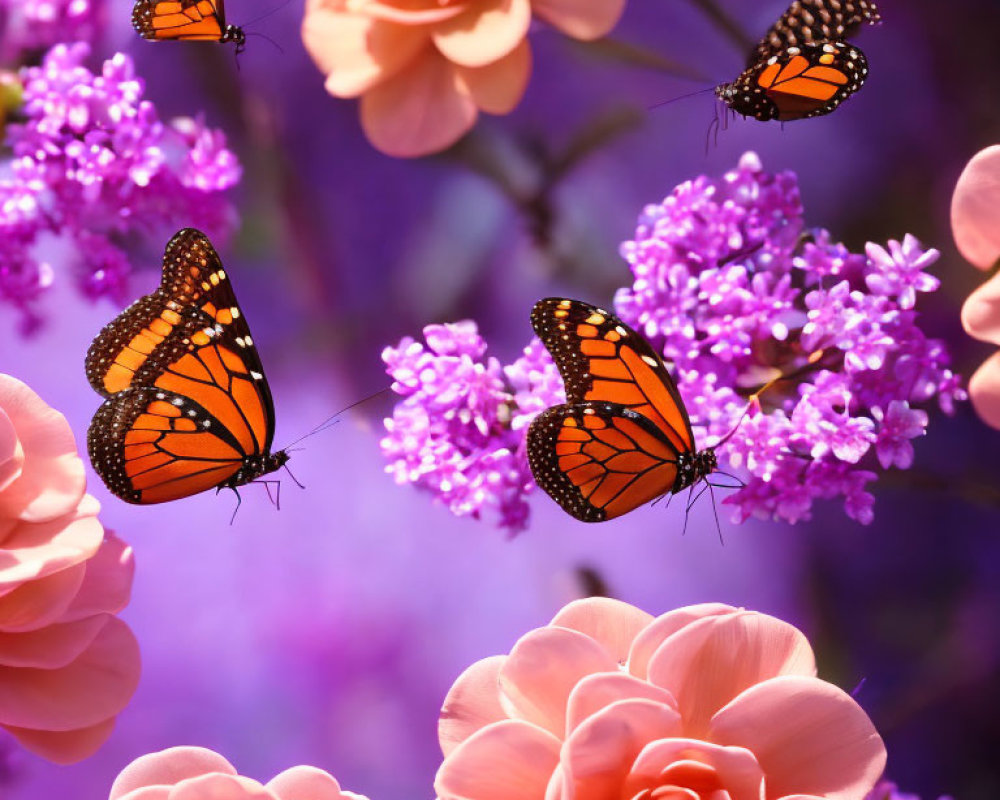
[803,66]
[188,407]
[623,438]
[185,20]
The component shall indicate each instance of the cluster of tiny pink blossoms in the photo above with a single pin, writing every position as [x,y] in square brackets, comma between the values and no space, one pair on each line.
[735,291]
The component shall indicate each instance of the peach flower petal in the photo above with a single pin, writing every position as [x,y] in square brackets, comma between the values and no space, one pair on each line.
[396,12]
[984,391]
[503,760]
[305,783]
[167,768]
[981,310]
[498,87]
[597,756]
[486,32]
[709,662]
[107,581]
[473,702]
[601,690]
[11,452]
[648,640]
[541,671]
[825,744]
[43,548]
[975,209]
[354,51]
[612,623]
[40,602]
[52,480]
[95,686]
[688,761]
[581,20]
[150,793]
[51,647]
[64,747]
[420,110]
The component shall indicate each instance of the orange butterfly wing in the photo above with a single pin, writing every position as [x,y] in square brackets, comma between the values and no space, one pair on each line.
[600,460]
[196,410]
[619,440]
[188,20]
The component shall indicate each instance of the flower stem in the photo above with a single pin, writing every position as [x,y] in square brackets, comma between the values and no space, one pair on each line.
[725,23]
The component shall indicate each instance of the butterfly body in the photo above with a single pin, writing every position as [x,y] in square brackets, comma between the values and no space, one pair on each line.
[185,20]
[623,438]
[804,81]
[188,407]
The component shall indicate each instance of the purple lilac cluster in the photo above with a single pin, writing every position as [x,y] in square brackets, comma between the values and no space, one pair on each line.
[887,790]
[735,291]
[28,26]
[93,163]
[452,433]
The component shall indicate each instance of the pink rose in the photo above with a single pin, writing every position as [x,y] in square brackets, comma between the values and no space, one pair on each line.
[194,773]
[425,69]
[706,702]
[68,665]
[975,222]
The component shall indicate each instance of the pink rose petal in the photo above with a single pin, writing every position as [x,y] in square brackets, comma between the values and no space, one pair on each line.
[357,52]
[984,391]
[167,768]
[107,582]
[981,310]
[541,671]
[686,761]
[50,647]
[709,662]
[64,747]
[220,787]
[40,602]
[581,20]
[473,702]
[305,783]
[42,548]
[498,87]
[809,737]
[648,640]
[420,110]
[52,481]
[92,688]
[486,32]
[975,209]
[612,623]
[501,761]
[598,691]
[598,755]
[11,452]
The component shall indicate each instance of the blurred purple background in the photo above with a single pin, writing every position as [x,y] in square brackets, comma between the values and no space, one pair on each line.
[328,632]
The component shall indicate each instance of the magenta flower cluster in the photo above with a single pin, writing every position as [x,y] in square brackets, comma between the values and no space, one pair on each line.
[887,790]
[734,290]
[28,26]
[93,163]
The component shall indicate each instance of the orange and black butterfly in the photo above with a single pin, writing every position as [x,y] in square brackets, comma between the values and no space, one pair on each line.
[185,20]
[188,407]
[807,80]
[623,436]
[819,21]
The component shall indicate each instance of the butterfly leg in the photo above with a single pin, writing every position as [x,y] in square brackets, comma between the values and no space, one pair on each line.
[715,511]
[239,501]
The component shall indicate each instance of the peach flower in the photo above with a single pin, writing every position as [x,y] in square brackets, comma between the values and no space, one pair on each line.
[68,665]
[707,702]
[425,68]
[975,222]
[194,773]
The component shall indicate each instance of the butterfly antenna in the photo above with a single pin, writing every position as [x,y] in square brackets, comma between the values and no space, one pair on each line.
[333,419]
[266,14]
[277,46]
[680,97]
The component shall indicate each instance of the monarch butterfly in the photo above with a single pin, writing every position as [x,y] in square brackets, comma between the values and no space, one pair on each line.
[623,437]
[187,20]
[808,80]
[808,21]
[188,407]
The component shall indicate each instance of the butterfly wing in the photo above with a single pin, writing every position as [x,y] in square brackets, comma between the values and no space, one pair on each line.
[809,21]
[189,20]
[600,460]
[805,81]
[601,359]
